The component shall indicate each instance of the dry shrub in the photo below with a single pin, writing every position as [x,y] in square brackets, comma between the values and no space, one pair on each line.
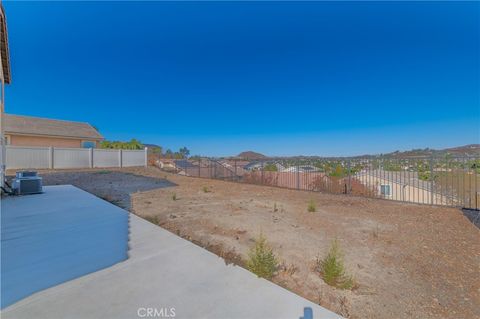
[289,270]
[255,177]
[360,189]
[328,184]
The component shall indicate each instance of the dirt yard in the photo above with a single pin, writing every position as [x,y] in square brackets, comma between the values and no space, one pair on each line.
[408,261]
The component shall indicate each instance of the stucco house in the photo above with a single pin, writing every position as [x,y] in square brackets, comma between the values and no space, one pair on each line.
[404,186]
[22,130]
[5,78]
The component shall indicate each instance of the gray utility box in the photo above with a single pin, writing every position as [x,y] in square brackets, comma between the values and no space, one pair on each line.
[27,182]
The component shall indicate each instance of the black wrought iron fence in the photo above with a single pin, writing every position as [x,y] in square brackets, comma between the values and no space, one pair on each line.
[445,181]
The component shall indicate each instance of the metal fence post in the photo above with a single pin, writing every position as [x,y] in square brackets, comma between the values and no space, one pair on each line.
[298,176]
[431,180]
[475,167]
[262,172]
[120,158]
[199,166]
[235,161]
[349,167]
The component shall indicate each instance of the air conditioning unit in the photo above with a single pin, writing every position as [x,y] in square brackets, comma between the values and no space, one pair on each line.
[27,183]
[24,174]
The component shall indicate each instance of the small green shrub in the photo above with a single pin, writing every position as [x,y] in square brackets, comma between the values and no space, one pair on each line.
[312,207]
[332,269]
[261,259]
[205,189]
[174,196]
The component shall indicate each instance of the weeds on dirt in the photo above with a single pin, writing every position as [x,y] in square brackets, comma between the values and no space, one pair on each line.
[174,196]
[312,207]
[376,232]
[343,307]
[275,209]
[102,172]
[332,269]
[153,219]
[261,259]
[288,269]
[205,189]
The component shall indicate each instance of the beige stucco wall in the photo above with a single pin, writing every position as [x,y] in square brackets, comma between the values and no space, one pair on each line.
[2,138]
[404,192]
[23,140]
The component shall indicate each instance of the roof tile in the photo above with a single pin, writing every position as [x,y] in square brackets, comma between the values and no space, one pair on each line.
[41,126]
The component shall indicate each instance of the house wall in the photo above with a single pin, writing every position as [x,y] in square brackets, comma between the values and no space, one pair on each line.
[25,140]
[404,192]
[2,137]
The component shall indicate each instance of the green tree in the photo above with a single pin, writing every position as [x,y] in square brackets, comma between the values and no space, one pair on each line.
[270,167]
[339,171]
[133,144]
[178,155]
[156,150]
[184,152]
[168,153]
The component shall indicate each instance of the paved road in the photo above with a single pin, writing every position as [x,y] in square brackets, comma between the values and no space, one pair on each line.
[164,277]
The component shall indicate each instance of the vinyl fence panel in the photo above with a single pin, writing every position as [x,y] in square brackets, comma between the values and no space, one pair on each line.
[71,158]
[21,157]
[25,157]
[106,158]
[133,158]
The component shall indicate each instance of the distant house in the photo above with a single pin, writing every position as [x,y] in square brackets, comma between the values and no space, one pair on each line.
[300,169]
[259,165]
[252,166]
[35,131]
[404,186]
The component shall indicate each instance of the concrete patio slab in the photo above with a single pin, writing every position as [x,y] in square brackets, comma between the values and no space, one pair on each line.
[163,273]
[50,238]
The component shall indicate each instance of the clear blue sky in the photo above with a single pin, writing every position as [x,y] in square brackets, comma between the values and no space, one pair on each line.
[282,78]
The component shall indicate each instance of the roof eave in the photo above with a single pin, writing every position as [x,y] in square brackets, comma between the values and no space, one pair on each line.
[4,47]
[99,138]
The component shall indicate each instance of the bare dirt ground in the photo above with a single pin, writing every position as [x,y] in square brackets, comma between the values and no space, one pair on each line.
[408,261]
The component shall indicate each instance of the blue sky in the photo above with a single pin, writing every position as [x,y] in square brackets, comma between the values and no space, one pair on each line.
[311,78]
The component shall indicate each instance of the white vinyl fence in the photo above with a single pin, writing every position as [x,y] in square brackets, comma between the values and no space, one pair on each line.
[30,157]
